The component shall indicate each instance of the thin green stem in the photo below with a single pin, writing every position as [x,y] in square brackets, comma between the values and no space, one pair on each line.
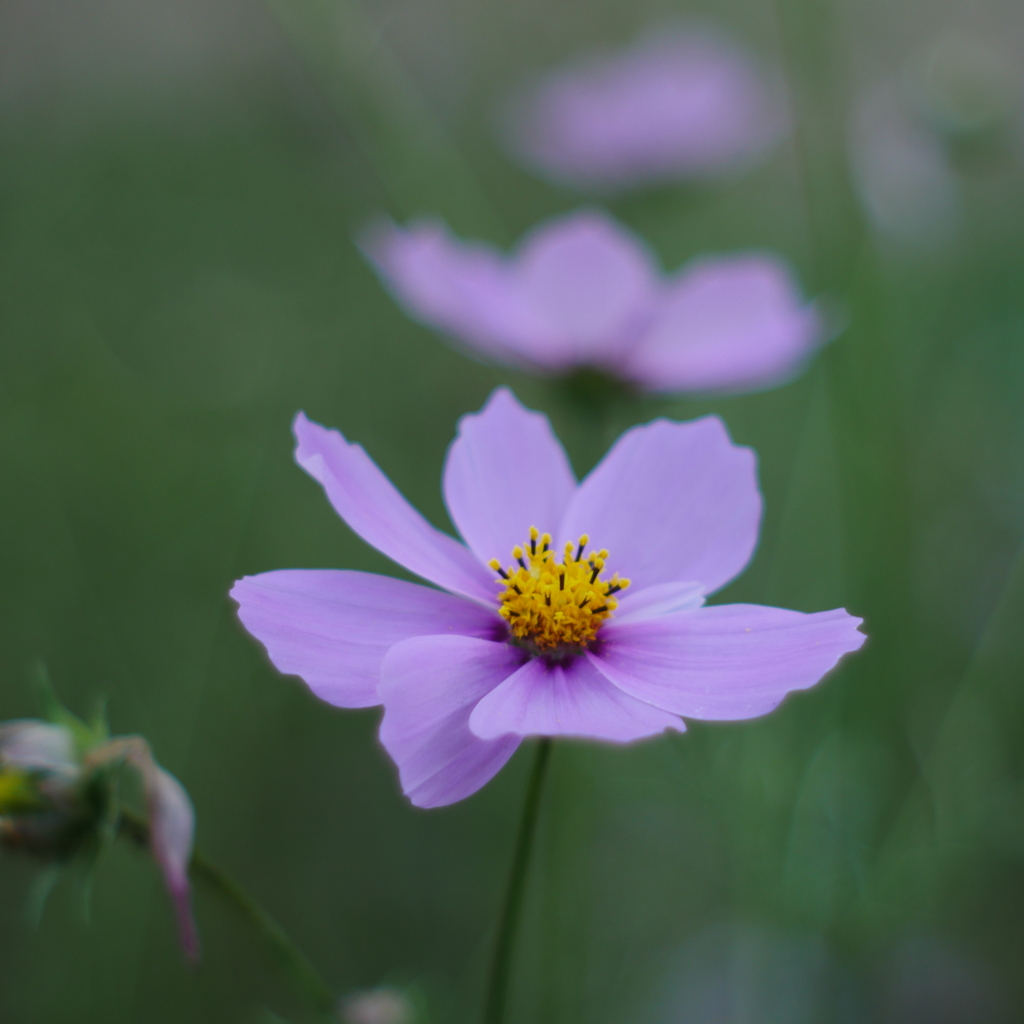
[504,949]
[282,947]
[293,961]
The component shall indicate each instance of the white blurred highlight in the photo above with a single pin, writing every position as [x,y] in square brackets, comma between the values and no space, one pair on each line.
[376,1006]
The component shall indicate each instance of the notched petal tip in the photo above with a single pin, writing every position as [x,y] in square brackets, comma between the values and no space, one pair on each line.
[372,506]
[311,439]
[505,472]
[299,422]
[726,662]
[672,502]
[501,400]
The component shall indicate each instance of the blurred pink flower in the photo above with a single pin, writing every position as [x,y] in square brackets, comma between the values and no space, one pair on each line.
[583,292]
[681,102]
[530,637]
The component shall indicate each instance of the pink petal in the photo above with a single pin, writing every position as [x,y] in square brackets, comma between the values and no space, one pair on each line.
[172,826]
[577,291]
[727,324]
[429,686]
[681,102]
[661,599]
[39,746]
[461,288]
[333,627]
[505,472]
[570,700]
[591,280]
[725,662]
[671,502]
[371,505]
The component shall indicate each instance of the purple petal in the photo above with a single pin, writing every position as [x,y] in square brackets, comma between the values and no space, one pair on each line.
[461,288]
[429,686]
[680,102]
[661,599]
[671,502]
[726,662]
[570,700]
[364,497]
[591,280]
[577,290]
[333,627]
[727,324]
[172,826]
[39,746]
[505,472]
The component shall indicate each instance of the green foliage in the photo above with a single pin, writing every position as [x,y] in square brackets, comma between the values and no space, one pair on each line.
[87,735]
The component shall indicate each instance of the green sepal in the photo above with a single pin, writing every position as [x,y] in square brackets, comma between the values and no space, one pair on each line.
[39,893]
[86,735]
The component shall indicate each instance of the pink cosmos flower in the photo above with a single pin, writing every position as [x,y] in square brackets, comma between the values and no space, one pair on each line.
[537,633]
[582,292]
[681,102]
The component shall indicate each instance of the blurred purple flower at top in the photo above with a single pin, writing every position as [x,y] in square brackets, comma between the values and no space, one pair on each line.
[535,633]
[681,102]
[583,292]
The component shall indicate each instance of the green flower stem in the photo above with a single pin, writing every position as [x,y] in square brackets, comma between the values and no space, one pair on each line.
[504,949]
[293,962]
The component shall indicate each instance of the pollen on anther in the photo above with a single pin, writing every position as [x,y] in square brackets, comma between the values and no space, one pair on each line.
[556,605]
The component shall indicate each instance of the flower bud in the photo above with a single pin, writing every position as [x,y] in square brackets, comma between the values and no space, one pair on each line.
[58,800]
[47,807]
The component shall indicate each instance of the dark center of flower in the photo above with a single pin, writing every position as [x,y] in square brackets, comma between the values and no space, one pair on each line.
[556,608]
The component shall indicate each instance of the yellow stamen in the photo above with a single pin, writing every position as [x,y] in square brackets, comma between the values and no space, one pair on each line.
[553,605]
[17,793]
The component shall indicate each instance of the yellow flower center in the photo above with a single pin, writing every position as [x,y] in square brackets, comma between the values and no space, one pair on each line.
[556,606]
[17,793]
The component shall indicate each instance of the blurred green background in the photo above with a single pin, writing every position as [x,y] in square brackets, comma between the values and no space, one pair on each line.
[179,188]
